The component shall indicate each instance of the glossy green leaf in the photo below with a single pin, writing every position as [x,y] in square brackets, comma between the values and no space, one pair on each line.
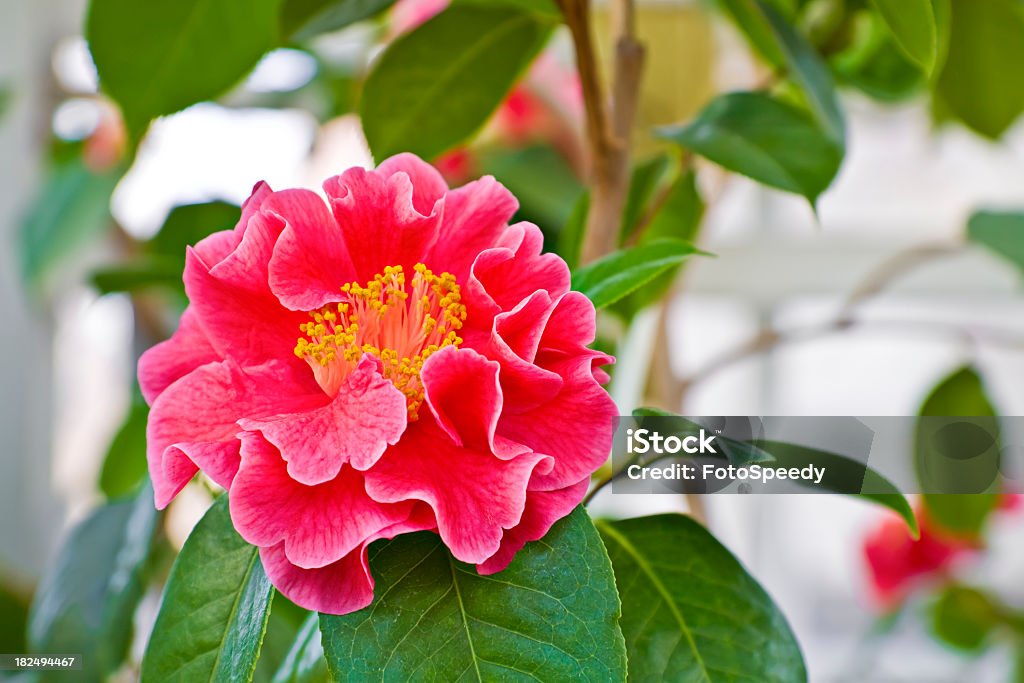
[912,23]
[690,611]
[964,617]
[282,630]
[681,214]
[541,180]
[187,224]
[304,19]
[72,208]
[13,619]
[1003,233]
[874,64]
[980,83]
[678,217]
[142,273]
[770,141]
[434,87]
[843,475]
[214,610]
[305,662]
[163,256]
[612,277]
[156,58]
[751,21]
[571,237]
[942,455]
[807,70]
[86,600]
[124,467]
[643,182]
[552,615]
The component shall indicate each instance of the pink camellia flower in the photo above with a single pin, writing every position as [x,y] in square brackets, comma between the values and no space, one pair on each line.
[397,359]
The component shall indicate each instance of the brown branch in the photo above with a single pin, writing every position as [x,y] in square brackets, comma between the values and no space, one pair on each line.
[608,123]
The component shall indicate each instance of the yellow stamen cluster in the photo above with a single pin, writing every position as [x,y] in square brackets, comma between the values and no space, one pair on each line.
[402,325]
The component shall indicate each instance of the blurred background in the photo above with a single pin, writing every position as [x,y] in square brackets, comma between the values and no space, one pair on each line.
[861,309]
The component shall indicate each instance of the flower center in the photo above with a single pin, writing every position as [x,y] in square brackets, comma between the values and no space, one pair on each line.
[400,323]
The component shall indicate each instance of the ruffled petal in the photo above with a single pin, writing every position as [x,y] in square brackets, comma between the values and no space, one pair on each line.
[367,414]
[474,495]
[233,302]
[310,262]
[461,389]
[186,350]
[543,509]
[575,427]
[215,247]
[518,268]
[428,185]
[203,408]
[195,409]
[317,524]
[340,587]
[513,342]
[476,216]
[379,221]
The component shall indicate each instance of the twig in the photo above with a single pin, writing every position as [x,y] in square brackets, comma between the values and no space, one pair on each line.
[609,123]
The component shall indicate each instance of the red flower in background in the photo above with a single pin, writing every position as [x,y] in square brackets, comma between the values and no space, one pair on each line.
[398,359]
[897,563]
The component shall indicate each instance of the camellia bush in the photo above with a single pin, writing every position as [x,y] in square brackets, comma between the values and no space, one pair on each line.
[395,390]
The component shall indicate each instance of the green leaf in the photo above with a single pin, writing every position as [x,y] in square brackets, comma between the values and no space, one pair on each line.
[644,180]
[124,466]
[1003,233]
[86,600]
[214,610]
[689,609]
[752,22]
[770,141]
[912,23]
[767,24]
[163,258]
[13,619]
[434,87]
[681,214]
[541,180]
[304,19]
[808,71]
[305,662]
[943,450]
[964,617]
[679,217]
[571,236]
[187,224]
[156,58]
[843,475]
[612,277]
[72,208]
[143,273]
[979,84]
[552,615]
[874,63]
